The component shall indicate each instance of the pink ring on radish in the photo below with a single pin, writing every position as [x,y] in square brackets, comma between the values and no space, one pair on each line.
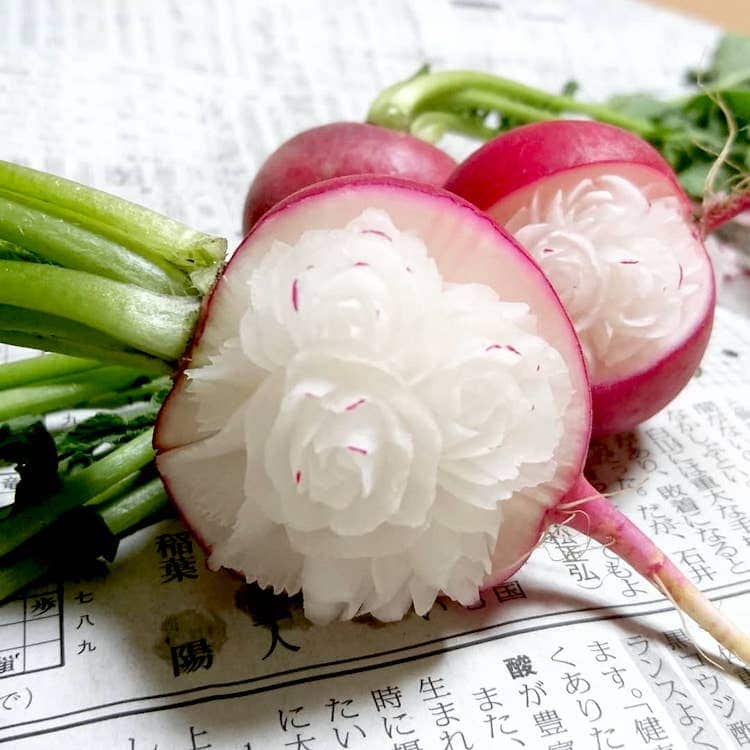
[337,150]
[416,439]
[604,216]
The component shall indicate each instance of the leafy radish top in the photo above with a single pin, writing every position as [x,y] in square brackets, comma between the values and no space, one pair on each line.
[383,420]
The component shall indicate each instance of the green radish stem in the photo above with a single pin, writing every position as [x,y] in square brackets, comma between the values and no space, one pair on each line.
[156,324]
[601,521]
[26,371]
[96,276]
[64,392]
[143,231]
[77,490]
[52,333]
[133,508]
[56,240]
[398,105]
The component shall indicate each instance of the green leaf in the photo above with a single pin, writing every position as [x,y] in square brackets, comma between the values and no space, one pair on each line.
[731,62]
[642,106]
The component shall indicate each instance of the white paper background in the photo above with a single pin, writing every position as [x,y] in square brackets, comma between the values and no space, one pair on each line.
[175,104]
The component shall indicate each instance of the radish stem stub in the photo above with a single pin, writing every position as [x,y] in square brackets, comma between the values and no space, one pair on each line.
[385,402]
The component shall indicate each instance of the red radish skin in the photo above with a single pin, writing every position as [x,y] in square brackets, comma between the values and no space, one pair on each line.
[341,149]
[622,404]
[489,255]
[533,152]
[500,176]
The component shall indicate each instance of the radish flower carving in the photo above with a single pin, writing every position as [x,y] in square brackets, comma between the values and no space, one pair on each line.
[385,418]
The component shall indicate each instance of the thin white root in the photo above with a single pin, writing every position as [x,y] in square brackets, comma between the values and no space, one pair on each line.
[686,625]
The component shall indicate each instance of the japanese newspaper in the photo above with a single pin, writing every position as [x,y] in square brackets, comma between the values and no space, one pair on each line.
[175,104]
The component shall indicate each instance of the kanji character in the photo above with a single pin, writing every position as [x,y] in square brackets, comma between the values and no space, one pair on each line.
[677,640]
[8,662]
[431,688]
[178,569]
[519,666]
[42,605]
[509,590]
[194,739]
[408,745]
[174,545]
[649,729]
[191,656]
[300,743]
[740,731]
[389,697]
[549,723]
[85,645]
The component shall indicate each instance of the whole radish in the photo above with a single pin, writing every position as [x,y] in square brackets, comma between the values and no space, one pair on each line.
[384,400]
[337,150]
[604,216]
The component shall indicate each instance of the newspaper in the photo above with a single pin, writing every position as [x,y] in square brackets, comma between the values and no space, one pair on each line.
[174,105]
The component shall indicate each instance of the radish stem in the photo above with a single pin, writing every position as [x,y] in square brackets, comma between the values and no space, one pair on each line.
[59,241]
[156,324]
[604,523]
[149,233]
[30,370]
[52,333]
[397,105]
[64,392]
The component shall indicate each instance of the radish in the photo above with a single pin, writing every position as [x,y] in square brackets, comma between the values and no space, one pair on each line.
[604,216]
[337,150]
[385,401]
[380,400]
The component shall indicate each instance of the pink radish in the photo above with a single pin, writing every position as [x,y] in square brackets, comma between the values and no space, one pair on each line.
[604,216]
[385,401]
[337,150]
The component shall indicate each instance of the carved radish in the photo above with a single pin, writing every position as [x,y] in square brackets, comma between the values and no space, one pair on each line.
[385,401]
[604,216]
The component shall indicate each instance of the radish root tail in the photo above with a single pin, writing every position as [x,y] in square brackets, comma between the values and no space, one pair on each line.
[686,626]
